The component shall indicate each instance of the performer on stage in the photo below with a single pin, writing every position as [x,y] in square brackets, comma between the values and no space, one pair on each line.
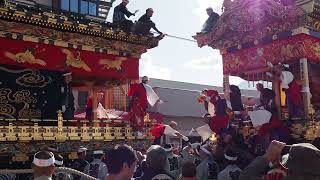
[291,87]
[141,94]
[219,118]
[67,103]
[266,98]
[158,130]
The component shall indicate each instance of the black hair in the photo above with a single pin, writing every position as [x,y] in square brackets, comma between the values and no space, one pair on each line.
[58,157]
[189,169]
[235,98]
[44,155]
[118,156]
[97,156]
[231,153]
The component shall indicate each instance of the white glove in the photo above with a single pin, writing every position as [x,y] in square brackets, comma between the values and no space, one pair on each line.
[64,108]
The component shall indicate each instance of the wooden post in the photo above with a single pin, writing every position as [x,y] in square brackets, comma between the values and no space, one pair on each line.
[304,77]
[276,88]
[94,107]
[226,87]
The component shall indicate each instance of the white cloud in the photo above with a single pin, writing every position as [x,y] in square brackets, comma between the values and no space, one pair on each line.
[148,68]
[204,4]
[210,62]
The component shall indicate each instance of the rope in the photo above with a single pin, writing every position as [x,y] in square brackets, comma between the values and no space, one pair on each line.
[177,37]
[58,169]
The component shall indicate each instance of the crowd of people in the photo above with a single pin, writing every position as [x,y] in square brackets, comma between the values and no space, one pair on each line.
[226,158]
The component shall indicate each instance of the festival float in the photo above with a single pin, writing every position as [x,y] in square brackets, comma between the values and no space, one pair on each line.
[38,45]
[253,36]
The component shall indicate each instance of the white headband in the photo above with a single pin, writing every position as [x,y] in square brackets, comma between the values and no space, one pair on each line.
[98,152]
[43,162]
[59,163]
[202,148]
[67,74]
[230,158]
[82,149]
[168,149]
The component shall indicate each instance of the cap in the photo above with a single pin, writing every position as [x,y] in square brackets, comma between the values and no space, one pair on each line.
[67,74]
[98,152]
[82,149]
[304,158]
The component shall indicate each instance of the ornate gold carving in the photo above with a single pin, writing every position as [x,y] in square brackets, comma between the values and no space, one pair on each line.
[24,135]
[11,135]
[96,133]
[108,134]
[33,79]
[73,134]
[112,64]
[47,134]
[119,132]
[25,57]
[75,62]
[85,133]
[20,157]
[60,135]
[36,136]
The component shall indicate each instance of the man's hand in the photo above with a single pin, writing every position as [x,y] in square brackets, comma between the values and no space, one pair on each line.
[178,134]
[273,152]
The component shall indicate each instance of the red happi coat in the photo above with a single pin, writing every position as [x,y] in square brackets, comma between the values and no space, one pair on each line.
[294,93]
[157,130]
[138,106]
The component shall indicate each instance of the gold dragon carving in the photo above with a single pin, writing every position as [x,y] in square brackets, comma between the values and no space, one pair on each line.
[76,62]
[112,64]
[25,57]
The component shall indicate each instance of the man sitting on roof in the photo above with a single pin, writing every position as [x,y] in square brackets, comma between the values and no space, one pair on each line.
[211,21]
[119,14]
[145,24]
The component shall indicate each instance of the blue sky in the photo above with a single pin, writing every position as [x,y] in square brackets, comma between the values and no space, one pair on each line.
[176,59]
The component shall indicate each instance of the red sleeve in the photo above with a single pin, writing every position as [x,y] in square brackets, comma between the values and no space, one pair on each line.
[89,102]
[157,130]
[132,89]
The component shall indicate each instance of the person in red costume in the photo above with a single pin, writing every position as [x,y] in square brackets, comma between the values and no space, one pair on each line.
[141,95]
[220,119]
[158,130]
[291,87]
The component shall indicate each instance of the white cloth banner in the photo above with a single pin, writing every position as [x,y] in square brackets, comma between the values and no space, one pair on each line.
[205,132]
[259,117]
[286,79]
[152,97]
[170,131]
[103,113]
[211,109]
